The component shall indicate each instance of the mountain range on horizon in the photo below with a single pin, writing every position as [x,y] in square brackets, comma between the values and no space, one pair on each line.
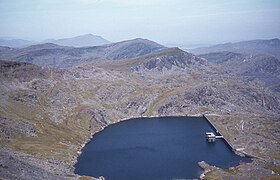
[259,46]
[82,41]
[65,56]
[89,39]
[77,41]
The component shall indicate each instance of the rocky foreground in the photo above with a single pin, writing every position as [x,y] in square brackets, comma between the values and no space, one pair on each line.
[48,114]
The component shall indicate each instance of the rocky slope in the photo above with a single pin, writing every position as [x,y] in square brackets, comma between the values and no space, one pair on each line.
[245,64]
[163,60]
[47,115]
[262,67]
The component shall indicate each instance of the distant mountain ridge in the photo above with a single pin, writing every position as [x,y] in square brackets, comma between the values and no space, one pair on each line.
[82,41]
[268,47]
[78,41]
[16,43]
[53,55]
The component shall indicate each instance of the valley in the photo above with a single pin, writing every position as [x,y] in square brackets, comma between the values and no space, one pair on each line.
[54,98]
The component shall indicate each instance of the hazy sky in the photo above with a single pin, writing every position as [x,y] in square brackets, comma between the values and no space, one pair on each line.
[164,21]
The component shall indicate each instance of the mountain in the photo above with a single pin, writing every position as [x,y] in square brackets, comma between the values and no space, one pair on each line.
[131,48]
[163,60]
[245,64]
[15,43]
[269,47]
[78,41]
[263,67]
[48,114]
[169,59]
[82,41]
[53,55]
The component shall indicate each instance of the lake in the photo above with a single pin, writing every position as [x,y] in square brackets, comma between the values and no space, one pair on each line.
[154,148]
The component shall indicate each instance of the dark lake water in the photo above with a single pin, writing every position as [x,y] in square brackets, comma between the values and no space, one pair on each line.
[154,148]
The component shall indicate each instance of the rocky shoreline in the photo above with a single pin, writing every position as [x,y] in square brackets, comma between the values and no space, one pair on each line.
[207,168]
[56,165]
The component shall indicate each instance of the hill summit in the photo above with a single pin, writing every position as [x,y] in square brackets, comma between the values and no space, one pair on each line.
[83,40]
